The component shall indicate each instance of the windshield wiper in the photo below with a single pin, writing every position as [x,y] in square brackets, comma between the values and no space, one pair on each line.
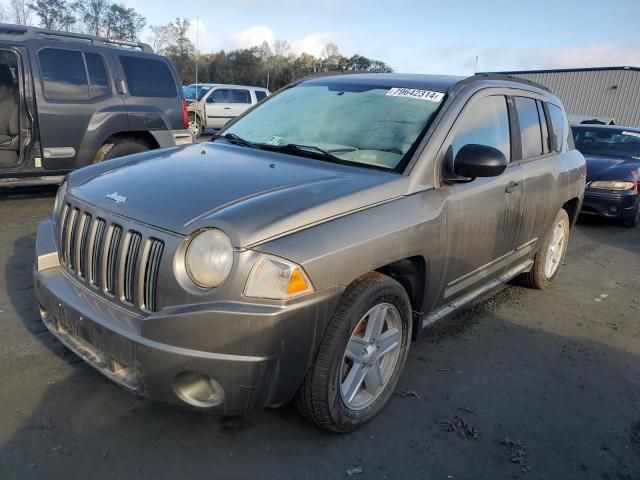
[235,139]
[305,150]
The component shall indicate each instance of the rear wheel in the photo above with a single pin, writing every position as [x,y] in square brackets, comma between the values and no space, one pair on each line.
[119,148]
[550,255]
[634,219]
[361,357]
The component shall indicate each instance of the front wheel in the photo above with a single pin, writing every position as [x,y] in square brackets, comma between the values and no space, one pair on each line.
[195,125]
[550,254]
[361,356]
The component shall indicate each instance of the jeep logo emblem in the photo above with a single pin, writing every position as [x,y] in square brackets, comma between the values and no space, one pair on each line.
[116,197]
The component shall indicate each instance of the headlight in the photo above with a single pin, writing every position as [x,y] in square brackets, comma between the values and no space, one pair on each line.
[612,185]
[57,205]
[276,278]
[209,258]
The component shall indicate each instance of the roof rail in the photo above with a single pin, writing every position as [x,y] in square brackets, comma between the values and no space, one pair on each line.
[25,32]
[509,77]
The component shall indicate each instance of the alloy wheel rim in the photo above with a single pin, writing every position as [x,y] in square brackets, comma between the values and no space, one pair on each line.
[371,356]
[194,128]
[555,251]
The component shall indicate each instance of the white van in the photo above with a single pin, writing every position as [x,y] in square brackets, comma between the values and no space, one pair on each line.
[221,104]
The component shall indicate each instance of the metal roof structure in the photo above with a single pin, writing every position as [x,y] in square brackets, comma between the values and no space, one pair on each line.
[612,92]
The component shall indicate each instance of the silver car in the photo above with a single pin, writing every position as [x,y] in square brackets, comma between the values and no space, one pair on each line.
[297,255]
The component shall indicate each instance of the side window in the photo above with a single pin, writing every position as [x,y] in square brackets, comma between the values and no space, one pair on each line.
[148,78]
[63,74]
[240,96]
[530,132]
[260,95]
[486,122]
[557,125]
[220,95]
[98,80]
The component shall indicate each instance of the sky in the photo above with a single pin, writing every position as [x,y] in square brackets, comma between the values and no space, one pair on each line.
[423,36]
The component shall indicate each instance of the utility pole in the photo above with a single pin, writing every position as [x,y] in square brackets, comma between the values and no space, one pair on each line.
[197,54]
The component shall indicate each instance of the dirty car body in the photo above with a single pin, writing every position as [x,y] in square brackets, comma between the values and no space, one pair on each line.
[113,276]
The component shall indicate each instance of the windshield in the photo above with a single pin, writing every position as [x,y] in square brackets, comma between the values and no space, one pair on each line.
[608,142]
[365,125]
[190,91]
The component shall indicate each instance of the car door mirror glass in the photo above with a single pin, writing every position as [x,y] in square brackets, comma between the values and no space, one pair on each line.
[475,160]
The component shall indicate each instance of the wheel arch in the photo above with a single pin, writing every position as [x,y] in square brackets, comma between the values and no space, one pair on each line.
[572,207]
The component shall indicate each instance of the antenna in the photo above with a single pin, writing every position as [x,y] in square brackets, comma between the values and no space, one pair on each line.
[475,67]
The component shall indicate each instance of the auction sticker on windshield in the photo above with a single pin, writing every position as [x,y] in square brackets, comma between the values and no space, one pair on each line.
[415,93]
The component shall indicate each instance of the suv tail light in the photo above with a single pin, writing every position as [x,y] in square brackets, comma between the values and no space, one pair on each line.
[185,114]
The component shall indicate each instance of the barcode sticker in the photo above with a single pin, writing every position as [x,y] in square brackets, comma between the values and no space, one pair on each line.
[415,93]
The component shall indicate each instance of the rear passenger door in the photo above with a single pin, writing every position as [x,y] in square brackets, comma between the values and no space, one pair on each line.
[542,168]
[74,86]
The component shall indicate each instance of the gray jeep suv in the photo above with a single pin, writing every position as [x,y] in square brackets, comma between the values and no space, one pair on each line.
[297,255]
[69,100]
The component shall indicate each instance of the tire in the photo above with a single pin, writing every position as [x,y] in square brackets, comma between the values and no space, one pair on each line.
[119,148]
[321,397]
[195,125]
[540,276]
[635,217]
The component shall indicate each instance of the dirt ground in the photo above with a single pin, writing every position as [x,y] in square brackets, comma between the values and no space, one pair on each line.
[529,384]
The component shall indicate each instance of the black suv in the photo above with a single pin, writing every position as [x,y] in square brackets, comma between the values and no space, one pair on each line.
[69,100]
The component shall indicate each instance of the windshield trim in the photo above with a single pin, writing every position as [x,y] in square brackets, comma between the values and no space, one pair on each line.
[405,161]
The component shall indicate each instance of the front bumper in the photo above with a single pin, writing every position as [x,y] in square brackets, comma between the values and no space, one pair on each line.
[257,353]
[614,205]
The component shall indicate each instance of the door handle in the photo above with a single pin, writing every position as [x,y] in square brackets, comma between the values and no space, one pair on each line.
[513,187]
[227,108]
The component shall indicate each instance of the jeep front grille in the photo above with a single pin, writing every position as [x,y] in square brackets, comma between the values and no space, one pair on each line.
[109,257]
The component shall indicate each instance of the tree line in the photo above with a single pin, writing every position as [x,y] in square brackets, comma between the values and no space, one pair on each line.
[267,65]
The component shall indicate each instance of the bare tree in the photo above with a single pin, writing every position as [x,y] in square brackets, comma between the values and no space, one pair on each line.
[92,14]
[161,36]
[281,48]
[21,12]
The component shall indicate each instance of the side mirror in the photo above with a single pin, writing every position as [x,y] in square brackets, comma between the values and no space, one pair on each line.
[475,160]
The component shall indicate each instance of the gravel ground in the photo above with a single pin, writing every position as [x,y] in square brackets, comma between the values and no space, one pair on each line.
[528,384]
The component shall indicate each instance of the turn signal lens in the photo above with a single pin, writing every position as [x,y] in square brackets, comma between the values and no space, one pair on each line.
[276,278]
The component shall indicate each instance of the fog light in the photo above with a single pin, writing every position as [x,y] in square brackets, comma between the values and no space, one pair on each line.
[198,390]
[613,209]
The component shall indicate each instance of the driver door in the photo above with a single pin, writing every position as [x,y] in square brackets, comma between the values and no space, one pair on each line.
[218,108]
[484,215]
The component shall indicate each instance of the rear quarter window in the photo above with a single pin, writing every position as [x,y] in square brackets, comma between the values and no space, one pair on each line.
[260,95]
[147,77]
[558,127]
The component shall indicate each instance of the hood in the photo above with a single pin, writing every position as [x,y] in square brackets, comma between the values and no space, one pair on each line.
[610,168]
[250,194]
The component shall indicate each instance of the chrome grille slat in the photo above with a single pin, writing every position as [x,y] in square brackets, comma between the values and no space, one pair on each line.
[95,252]
[128,266]
[111,259]
[118,261]
[81,245]
[149,282]
[70,240]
